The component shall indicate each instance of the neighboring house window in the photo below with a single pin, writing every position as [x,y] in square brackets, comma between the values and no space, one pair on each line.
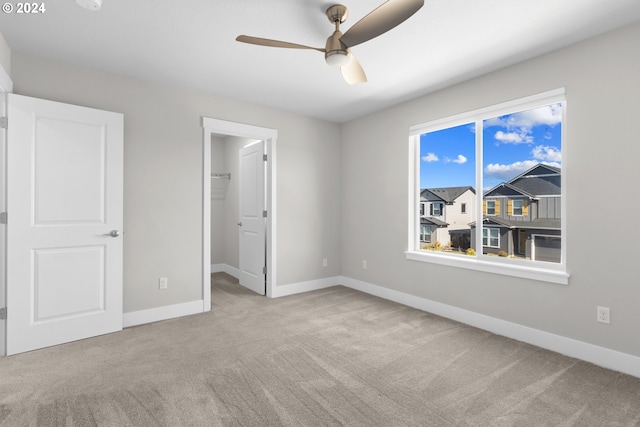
[491,237]
[425,234]
[491,207]
[422,209]
[511,156]
[516,207]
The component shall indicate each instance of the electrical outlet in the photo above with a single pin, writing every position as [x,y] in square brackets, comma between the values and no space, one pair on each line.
[324,262]
[163,283]
[604,314]
[364,264]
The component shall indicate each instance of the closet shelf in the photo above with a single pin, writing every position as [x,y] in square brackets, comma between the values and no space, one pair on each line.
[221,176]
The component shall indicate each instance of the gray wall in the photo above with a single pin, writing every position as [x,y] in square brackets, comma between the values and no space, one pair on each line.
[219,195]
[601,77]
[5,55]
[163,177]
[348,201]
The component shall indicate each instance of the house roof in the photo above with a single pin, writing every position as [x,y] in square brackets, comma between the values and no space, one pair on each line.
[506,189]
[434,221]
[540,180]
[536,224]
[447,194]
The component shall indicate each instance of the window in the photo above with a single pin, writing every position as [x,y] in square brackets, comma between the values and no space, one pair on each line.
[509,157]
[516,207]
[491,207]
[436,209]
[491,237]
[425,233]
[422,209]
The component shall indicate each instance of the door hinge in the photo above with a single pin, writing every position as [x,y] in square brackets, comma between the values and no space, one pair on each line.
[264,157]
[3,217]
[4,122]
[264,214]
[264,270]
[3,313]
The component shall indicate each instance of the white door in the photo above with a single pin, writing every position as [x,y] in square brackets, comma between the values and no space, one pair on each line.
[252,223]
[65,215]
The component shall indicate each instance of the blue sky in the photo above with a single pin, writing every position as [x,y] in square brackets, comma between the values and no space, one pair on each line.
[511,145]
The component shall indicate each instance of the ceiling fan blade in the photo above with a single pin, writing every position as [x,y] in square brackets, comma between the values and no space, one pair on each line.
[274,43]
[380,20]
[353,72]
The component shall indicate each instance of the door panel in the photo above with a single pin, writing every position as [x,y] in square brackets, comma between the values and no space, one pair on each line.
[64,197]
[252,223]
[79,175]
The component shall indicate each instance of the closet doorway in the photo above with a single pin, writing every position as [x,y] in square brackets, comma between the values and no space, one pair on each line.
[238,204]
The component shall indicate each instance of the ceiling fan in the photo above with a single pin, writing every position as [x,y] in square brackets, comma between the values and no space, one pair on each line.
[337,51]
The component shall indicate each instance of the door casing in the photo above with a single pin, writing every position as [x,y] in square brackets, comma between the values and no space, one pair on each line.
[6,86]
[223,127]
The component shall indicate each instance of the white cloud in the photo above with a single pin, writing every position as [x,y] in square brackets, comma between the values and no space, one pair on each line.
[508,172]
[550,154]
[549,115]
[430,157]
[460,159]
[519,126]
[513,137]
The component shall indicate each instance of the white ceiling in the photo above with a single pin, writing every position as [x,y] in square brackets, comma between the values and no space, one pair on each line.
[192,44]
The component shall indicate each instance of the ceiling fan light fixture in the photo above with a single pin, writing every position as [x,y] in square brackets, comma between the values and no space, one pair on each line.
[337,58]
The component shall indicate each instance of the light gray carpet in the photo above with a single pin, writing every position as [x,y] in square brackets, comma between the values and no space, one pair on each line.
[326,358]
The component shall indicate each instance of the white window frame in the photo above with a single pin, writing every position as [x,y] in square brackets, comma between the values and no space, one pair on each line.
[428,227]
[513,207]
[493,208]
[433,208]
[536,270]
[489,245]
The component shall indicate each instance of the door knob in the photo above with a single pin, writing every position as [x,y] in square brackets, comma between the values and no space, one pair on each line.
[112,233]
[240,224]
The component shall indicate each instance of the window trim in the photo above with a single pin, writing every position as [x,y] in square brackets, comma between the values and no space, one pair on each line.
[493,208]
[489,245]
[432,209]
[536,270]
[513,207]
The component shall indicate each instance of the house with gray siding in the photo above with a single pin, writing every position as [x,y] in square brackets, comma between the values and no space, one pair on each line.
[522,216]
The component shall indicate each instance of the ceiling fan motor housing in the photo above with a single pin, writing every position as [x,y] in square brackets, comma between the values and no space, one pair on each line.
[335,51]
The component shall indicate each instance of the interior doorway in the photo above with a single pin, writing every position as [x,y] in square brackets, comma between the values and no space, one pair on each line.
[217,179]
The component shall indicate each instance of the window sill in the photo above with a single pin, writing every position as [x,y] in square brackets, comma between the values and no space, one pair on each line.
[474,263]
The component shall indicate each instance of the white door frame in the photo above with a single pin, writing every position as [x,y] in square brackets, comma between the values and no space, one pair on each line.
[6,86]
[224,127]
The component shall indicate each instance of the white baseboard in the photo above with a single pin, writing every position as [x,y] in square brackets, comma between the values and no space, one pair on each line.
[597,355]
[225,268]
[161,313]
[311,285]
